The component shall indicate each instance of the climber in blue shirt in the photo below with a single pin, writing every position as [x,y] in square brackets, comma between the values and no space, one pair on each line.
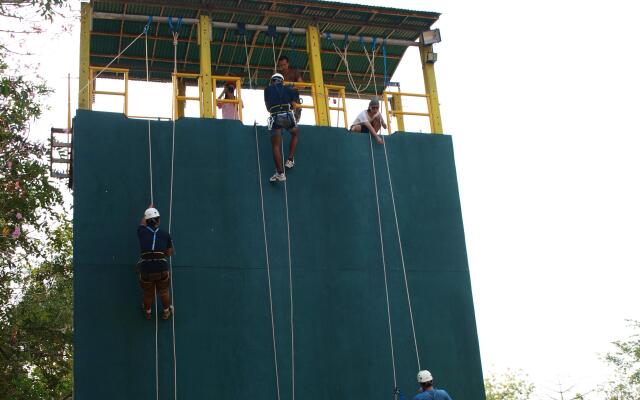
[153,268]
[427,391]
[280,101]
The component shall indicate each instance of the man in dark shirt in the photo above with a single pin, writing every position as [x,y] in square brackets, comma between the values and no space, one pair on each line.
[279,100]
[153,268]
[291,75]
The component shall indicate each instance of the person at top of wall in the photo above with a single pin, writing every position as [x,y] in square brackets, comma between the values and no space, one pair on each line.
[291,75]
[229,110]
[427,391]
[370,121]
[279,100]
[155,246]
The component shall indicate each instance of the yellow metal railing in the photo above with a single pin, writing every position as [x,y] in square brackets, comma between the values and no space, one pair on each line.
[237,101]
[341,96]
[399,111]
[306,85]
[93,91]
[177,97]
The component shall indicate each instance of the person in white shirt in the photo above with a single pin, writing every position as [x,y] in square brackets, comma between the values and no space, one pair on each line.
[370,121]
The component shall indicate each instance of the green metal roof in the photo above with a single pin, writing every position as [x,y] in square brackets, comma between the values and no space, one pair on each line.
[109,37]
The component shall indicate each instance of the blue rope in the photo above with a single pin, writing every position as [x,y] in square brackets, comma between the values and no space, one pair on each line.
[242,29]
[149,22]
[384,58]
[175,28]
[373,44]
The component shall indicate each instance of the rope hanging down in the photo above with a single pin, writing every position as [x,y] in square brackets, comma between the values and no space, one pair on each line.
[242,30]
[175,30]
[266,252]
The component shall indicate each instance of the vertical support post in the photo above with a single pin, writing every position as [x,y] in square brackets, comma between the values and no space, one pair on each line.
[204,40]
[68,105]
[315,67]
[396,105]
[84,98]
[182,91]
[429,73]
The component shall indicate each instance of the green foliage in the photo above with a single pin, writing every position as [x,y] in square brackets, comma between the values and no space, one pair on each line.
[512,385]
[625,360]
[36,327]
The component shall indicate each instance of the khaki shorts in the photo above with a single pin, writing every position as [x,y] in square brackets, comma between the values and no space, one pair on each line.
[154,281]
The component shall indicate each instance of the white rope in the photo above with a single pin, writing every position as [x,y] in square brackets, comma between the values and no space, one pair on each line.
[404,270]
[384,264]
[246,51]
[266,252]
[155,298]
[293,365]
[146,63]
[173,143]
[275,62]
[86,86]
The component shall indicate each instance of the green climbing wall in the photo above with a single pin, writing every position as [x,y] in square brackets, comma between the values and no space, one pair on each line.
[222,325]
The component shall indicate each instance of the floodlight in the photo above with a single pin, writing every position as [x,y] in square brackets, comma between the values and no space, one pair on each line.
[430,37]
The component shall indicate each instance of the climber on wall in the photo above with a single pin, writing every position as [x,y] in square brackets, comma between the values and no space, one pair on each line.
[427,391]
[153,268]
[280,100]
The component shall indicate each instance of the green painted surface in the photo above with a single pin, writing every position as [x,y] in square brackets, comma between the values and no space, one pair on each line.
[222,324]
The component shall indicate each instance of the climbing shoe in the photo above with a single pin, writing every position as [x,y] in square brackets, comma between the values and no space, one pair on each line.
[166,313]
[147,312]
[290,163]
[278,177]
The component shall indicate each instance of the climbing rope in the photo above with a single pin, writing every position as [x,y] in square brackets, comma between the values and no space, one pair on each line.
[266,252]
[293,364]
[146,64]
[175,30]
[404,270]
[384,264]
[291,319]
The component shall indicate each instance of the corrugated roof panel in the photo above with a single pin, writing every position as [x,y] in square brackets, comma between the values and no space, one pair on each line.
[228,52]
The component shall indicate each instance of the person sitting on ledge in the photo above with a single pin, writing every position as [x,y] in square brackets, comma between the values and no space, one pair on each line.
[369,121]
[153,268]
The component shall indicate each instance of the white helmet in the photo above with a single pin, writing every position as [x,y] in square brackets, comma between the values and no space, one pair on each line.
[424,376]
[277,77]
[151,213]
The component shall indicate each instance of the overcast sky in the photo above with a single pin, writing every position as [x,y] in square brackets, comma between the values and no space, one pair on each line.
[541,99]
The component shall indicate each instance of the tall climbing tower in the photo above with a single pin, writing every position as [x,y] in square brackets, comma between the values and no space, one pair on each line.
[341,283]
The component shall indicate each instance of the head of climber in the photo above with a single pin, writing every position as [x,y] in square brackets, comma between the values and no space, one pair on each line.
[425,379]
[152,217]
[230,86]
[277,79]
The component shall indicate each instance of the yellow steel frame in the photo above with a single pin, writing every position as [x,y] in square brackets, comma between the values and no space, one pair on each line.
[204,40]
[399,112]
[315,67]
[177,97]
[396,104]
[342,95]
[124,94]
[429,74]
[237,101]
[307,85]
[84,98]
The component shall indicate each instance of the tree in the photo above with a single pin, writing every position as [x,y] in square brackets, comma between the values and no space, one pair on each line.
[625,360]
[512,385]
[37,328]
[35,240]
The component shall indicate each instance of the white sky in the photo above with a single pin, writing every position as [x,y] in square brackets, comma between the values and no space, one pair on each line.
[540,100]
